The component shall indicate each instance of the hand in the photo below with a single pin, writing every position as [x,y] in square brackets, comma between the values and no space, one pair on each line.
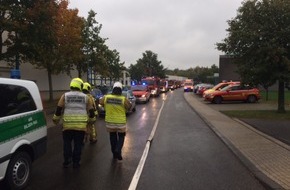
[92,120]
[55,119]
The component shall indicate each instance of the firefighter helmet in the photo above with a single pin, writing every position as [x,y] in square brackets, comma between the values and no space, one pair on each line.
[76,83]
[87,86]
[118,85]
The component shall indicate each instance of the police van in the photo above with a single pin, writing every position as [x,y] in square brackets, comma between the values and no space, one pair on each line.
[23,130]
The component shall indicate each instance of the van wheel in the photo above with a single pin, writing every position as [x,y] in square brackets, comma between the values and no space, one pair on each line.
[19,171]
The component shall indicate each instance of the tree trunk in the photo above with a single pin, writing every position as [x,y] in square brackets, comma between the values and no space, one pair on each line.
[50,85]
[267,94]
[281,97]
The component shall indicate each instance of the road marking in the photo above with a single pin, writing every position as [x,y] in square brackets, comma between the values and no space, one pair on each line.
[141,164]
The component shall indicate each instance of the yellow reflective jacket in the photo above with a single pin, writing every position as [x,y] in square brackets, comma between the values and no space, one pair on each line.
[75,115]
[115,109]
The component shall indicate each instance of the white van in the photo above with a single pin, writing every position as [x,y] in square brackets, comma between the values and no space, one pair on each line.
[188,85]
[23,130]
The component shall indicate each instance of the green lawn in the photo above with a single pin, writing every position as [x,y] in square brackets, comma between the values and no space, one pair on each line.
[273,96]
[264,114]
[259,114]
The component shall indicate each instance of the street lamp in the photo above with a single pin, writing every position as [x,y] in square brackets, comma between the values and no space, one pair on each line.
[15,73]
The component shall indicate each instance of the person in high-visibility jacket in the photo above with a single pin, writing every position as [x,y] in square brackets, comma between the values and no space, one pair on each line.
[116,106]
[76,111]
[92,132]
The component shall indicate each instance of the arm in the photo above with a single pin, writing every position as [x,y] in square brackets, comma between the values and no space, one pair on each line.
[91,110]
[127,104]
[58,111]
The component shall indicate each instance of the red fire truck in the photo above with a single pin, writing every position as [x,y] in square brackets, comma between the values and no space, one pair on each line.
[153,84]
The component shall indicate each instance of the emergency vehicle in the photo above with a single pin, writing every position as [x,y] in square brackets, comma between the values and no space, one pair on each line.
[188,85]
[163,85]
[171,84]
[23,130]
[153,84]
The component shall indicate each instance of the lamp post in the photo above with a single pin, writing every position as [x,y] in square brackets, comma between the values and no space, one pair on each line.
[15,73]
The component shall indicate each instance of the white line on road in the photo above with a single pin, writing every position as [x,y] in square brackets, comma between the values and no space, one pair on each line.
[139,169]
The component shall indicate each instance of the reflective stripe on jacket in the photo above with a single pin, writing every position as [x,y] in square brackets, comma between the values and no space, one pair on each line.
[115,109]
[75,115]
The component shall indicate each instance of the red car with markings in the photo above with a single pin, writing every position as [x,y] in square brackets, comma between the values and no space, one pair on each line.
[142,93]
[234,92]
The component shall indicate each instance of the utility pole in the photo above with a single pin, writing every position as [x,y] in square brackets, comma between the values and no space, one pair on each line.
[15,73]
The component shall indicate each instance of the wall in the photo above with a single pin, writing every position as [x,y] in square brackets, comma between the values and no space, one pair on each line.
[60,83]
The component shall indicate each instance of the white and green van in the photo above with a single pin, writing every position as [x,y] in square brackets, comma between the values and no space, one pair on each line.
[23,130]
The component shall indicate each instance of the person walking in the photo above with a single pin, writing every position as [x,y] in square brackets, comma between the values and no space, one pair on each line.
[116,106]
[76,110]
[92,132]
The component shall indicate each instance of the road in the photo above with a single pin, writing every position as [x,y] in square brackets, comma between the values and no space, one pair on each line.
[184,154]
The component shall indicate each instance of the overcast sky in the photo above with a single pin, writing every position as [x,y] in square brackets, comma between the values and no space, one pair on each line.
[183,33]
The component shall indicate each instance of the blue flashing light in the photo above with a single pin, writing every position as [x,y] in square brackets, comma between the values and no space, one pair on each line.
[143,83]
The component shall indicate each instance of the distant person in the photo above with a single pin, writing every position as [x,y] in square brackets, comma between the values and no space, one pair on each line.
[77,111]
[116,106]
[104,89]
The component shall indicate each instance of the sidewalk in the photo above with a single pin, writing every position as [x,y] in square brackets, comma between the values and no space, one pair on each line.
[267,157]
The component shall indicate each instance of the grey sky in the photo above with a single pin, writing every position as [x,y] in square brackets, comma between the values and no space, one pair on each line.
[182,32]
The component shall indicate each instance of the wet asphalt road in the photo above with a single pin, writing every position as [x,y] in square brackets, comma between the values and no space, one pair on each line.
[185,154]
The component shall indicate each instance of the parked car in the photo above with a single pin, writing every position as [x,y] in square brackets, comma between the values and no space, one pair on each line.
[97,94]
[200,88]
[218,87]
[128,94]
[141,92]
[234,92]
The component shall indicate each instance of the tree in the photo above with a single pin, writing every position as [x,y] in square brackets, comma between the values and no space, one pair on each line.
[94,47]
[114,64]
[54,36]
[258,40]
[137,71]
[13,22]
[148,65]
[69,28]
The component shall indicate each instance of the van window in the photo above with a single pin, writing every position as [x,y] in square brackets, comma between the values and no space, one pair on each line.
[14,100]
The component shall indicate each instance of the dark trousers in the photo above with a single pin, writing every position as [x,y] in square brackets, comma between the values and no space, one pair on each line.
[117,142]
[72,145]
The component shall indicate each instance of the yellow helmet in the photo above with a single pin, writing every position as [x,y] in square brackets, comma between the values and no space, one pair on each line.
[87,86]
[76,83]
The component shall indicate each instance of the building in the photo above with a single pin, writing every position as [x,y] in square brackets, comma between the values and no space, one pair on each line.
[60,82]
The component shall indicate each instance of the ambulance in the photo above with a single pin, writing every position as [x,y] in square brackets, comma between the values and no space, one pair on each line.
[23,131]
[188,85]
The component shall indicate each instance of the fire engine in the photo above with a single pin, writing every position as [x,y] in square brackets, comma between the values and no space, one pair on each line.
[163,85]
[153,84]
